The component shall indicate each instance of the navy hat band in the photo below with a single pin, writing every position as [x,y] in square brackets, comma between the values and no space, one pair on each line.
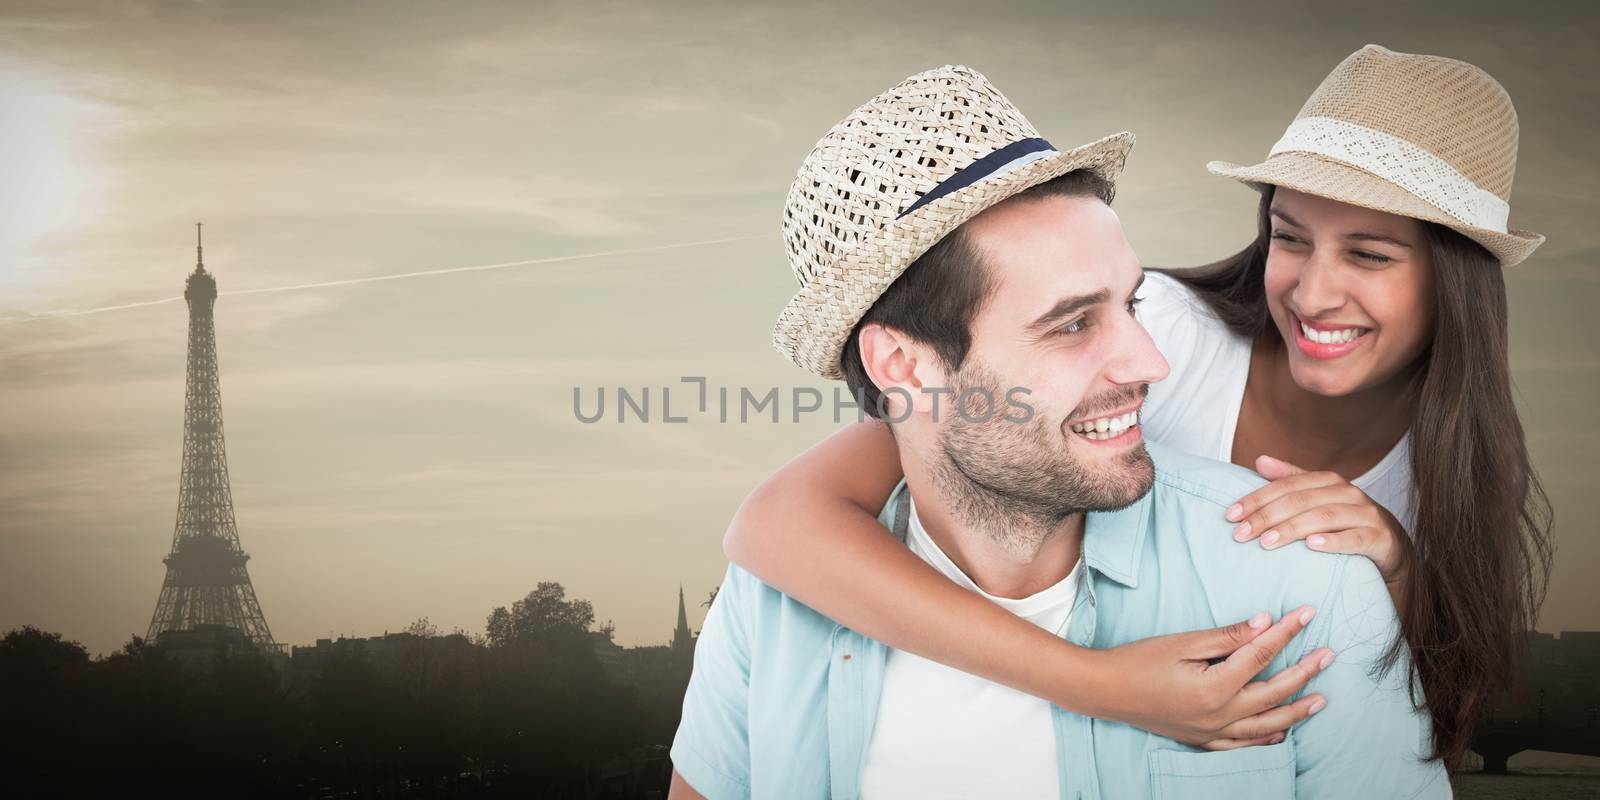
[1014,155]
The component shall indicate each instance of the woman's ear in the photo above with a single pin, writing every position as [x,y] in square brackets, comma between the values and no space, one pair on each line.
[900,367]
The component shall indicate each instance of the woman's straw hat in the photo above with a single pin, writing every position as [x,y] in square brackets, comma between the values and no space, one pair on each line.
[1422,136]
[891,180]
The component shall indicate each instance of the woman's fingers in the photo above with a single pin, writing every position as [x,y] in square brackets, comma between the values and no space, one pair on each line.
[1253,656]
[1204,645]
[1326,518]
[1385,550]
[1207,680]
[1235,744]
[1274,720]
[1274,468]
[1312,507]
[1244,511]
[1266,698]
[1273,691]
[1352,540]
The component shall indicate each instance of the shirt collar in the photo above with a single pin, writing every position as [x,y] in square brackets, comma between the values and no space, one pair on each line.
[1113,541]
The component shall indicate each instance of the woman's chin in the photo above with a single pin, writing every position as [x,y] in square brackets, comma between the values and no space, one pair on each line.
[1325,379]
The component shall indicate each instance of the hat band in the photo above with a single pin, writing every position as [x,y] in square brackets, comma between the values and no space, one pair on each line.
[1013,156]
[1400,162]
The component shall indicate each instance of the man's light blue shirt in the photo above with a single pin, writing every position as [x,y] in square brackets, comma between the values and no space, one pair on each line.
[782,699]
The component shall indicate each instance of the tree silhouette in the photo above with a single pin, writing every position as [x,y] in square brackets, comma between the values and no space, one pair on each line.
[423,628]
[524,710]
[544,615]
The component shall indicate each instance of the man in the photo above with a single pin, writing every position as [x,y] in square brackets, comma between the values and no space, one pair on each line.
[952,263]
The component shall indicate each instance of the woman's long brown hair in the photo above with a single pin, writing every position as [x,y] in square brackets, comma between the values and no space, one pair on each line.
[1481,527]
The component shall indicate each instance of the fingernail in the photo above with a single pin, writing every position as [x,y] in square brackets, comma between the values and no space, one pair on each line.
[1317,706]
[1269,538]
[1234,512]
[1276,738]
[1260,620]
[1316,541]
[1240,531]
[1306,615]
[1326,660]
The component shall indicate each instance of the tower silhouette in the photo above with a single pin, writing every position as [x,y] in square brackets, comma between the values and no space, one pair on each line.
[682,638]
[206,581]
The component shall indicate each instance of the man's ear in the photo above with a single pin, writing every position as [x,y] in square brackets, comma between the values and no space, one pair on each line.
[902,368]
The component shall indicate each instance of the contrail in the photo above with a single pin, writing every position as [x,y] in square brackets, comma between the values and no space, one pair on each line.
[397,276]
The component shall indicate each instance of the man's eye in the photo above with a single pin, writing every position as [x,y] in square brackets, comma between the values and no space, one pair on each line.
[1133,303]
[1075,326]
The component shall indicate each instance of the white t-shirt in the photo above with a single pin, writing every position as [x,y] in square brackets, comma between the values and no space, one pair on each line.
[942,734]
[1196,409]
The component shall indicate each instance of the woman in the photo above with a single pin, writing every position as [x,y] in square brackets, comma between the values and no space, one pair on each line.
[1355,354]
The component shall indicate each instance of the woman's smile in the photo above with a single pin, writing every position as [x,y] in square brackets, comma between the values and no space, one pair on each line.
[1322,340]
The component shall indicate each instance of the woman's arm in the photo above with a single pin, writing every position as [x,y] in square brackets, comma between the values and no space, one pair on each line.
[681,790]
[811,531]
[848,475]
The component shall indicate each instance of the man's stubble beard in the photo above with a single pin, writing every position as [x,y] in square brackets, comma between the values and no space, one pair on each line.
[1017,482]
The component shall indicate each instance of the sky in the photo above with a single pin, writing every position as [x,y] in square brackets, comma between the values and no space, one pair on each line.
[406,448]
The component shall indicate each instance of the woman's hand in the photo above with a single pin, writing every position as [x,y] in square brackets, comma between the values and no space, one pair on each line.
[1327,511]
[1169,686]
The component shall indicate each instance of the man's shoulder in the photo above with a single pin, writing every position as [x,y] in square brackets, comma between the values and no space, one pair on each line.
[1201,481]
[763,613]
[752,596]
[1192,495]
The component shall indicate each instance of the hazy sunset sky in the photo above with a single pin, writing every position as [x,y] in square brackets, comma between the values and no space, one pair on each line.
[408,447]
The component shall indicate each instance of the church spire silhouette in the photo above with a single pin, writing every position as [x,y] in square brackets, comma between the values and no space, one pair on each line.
[682,637]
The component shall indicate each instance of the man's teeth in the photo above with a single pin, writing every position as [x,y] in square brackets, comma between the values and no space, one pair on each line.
[1331,337]
[1106,427]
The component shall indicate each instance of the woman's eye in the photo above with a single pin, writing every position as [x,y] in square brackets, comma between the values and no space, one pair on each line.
[1373,257]
[1283,237]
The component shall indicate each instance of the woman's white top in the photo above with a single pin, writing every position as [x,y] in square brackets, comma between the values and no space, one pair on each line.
[1196,409]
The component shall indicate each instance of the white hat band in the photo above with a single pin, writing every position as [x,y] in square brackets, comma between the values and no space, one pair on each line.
[1400,162]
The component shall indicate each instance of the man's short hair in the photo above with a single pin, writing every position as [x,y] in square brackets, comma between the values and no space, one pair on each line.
[935,300]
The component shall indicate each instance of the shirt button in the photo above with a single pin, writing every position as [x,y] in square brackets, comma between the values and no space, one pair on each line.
[846,656]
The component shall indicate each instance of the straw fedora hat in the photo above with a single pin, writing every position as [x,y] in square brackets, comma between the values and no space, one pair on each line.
[1421,136]
[891,180]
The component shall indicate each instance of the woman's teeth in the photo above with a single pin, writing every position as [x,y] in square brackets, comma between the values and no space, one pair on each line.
[1331,337]
[1106,427]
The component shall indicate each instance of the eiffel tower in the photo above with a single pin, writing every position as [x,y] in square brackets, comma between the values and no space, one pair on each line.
[206,580]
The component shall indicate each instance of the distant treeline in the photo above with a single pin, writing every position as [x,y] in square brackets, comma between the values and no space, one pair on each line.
[524,710]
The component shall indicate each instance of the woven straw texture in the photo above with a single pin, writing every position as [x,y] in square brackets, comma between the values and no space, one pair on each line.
[1448,108]
[842,228]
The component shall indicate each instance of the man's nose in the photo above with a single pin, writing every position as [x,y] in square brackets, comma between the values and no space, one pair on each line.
[1137,359]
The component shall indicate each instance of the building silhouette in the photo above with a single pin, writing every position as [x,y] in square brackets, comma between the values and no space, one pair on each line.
[661,669]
